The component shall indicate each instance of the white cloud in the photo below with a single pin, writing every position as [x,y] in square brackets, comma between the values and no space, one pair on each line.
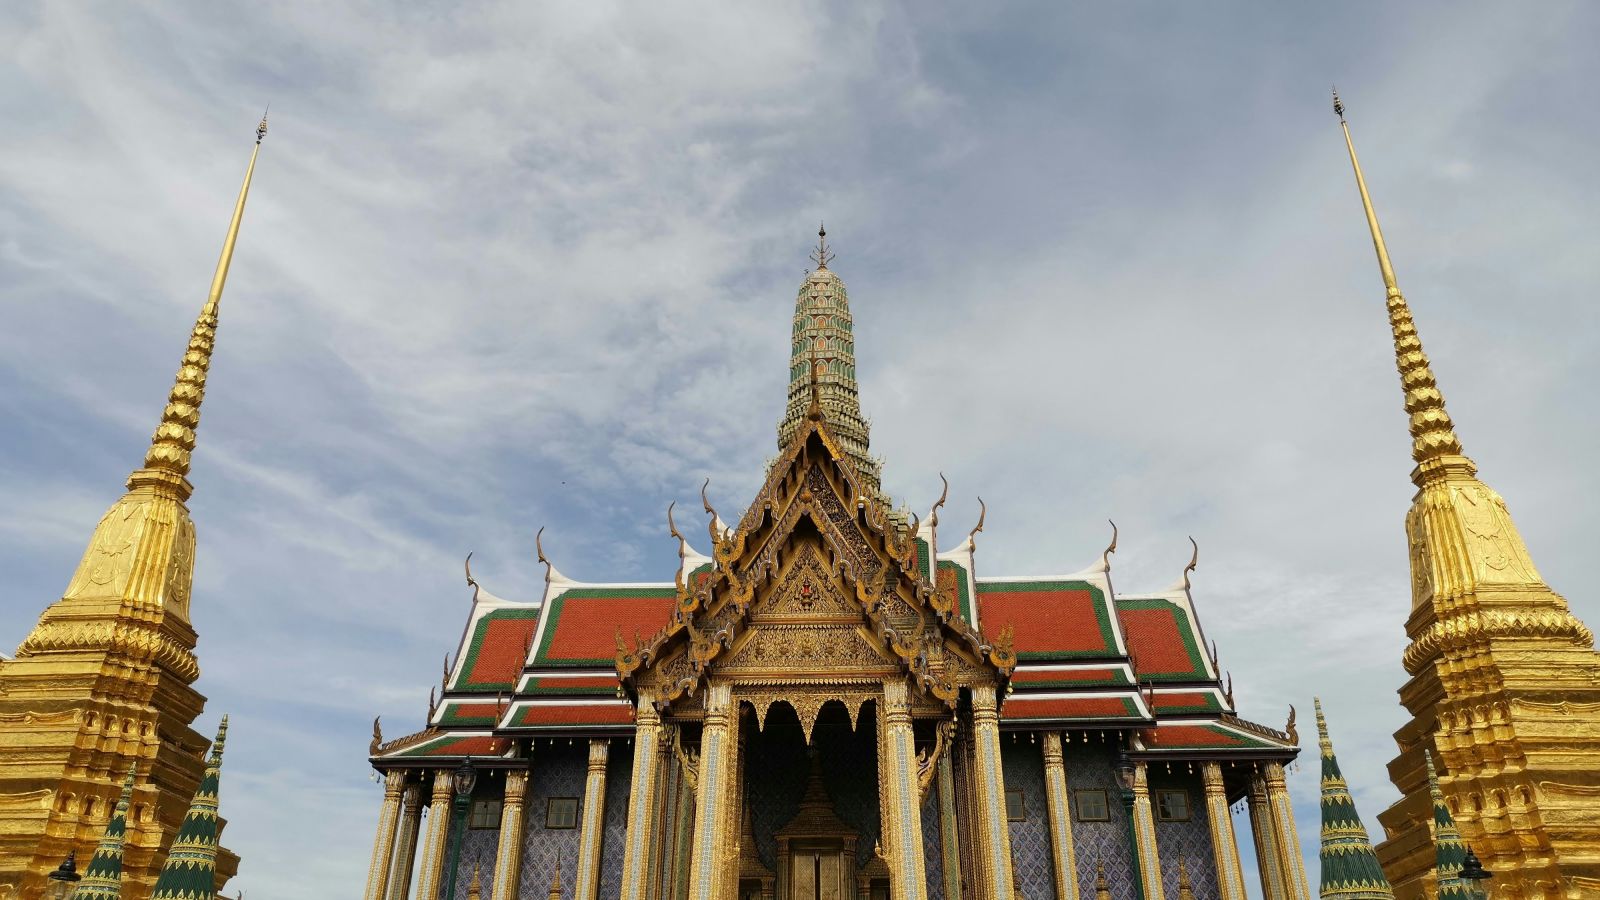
[508,266]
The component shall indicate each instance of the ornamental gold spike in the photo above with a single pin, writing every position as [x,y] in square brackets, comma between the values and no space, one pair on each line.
[173,442]
[1433,435]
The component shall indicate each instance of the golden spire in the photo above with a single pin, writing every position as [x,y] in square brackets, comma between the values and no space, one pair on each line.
[167,461]
[1433,435]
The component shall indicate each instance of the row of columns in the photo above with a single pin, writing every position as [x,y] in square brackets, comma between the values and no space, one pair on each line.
[715,826]
[1272,823]
[395,848]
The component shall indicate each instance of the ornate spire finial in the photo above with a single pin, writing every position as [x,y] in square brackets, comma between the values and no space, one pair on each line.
[1433,434]
[1338,105]
[821,256]
[1350,869]
[261,130]
[167,460]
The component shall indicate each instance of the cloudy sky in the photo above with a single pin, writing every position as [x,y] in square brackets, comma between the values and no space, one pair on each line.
[512,265]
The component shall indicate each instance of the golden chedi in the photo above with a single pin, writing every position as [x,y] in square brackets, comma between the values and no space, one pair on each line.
[105,679]
[1505,683]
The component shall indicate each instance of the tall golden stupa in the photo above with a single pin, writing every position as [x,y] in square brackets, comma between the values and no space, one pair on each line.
[1505,683]
[105,681]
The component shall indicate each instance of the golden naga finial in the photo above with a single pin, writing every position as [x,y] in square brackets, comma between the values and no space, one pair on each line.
[377,737]
[468,565]
[1194,563]
[933,520]
[1289,729]
[1433,434]
[983,513]
[538,547]
[167,460]
[1105,557]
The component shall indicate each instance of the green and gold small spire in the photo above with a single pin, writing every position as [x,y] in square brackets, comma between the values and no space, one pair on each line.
[103,879]
[1350,869]
[190,871]
[1449,852]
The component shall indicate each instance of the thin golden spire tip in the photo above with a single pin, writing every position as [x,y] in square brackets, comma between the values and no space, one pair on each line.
[261,130]
[1338,105]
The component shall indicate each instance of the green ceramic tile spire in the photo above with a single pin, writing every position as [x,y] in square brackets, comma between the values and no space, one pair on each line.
[103,879]
[1350,869]
[190,872]
[822,354]
[1448,850]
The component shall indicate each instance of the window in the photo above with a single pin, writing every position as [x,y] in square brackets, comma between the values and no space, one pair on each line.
[1092,806]
[485,814]
[561,812]
[1172,806]
[1015,810]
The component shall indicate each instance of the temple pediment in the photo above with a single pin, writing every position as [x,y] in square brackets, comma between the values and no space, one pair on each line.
[818,581]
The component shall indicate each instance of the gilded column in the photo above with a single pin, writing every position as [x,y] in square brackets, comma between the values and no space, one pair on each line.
[406,854]
[1266,838]
[508,858]
[1055,795]
[430,873]
[641,799]
[713,795]
[1144,832]
[594,819]
[1290,862]
[949,830]
[910,877]
[1230,876]
[996,843]
[394,783]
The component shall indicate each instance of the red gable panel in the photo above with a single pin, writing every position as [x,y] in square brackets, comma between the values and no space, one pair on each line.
[549,714]
[583,623]
[1162,644]
[1053,619]
[496,652]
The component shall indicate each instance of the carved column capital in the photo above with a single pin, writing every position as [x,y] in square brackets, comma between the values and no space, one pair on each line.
[1052,748]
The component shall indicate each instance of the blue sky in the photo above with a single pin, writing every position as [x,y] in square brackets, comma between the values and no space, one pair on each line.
[512,265]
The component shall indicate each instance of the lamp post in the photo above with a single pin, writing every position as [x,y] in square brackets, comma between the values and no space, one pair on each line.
[1125,774]
[1473,874]
[462,780]
[64,880]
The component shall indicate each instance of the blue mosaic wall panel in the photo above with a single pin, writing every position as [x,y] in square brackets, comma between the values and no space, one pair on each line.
[1189,841]
[932,849]
[619,778]
[1022,764]
[1089,766]
[558,771]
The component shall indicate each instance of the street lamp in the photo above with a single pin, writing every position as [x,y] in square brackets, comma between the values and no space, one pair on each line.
[64,880]
[1473,874]
[462,780]
[1123,768]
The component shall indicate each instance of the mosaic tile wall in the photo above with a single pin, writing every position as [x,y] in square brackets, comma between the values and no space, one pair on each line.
[1089,766]
[558,771]
[932,849]
[1022,764]
[776,778]
[480,845]
[850,770]
[1189,841]
[619,777]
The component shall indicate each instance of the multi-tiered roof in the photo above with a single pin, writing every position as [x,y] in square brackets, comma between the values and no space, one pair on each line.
[1086,657]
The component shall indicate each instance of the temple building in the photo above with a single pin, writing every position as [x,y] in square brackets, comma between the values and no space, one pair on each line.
[832,701]
[1504,693]
[104,684]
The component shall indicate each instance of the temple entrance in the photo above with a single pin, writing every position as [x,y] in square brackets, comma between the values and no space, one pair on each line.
[812,811]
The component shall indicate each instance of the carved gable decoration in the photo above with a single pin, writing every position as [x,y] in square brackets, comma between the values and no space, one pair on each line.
[817,578]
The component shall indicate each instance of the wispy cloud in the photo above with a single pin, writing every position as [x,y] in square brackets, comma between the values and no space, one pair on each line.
[508,266]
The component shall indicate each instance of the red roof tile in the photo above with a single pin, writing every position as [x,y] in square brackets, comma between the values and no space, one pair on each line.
[583,623]
[1053,619]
